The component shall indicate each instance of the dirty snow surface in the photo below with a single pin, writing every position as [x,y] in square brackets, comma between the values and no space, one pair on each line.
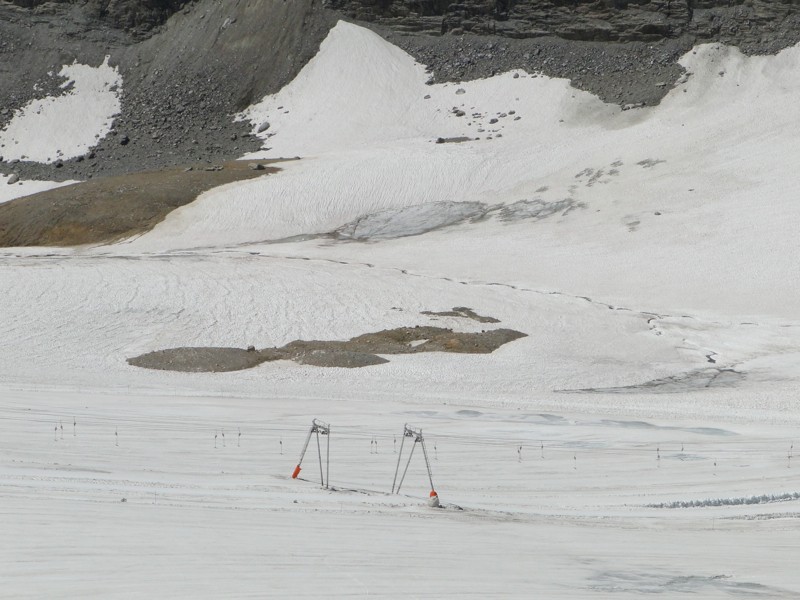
[640,439]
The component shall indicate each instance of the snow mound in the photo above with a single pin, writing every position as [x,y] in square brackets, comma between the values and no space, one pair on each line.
[360,90]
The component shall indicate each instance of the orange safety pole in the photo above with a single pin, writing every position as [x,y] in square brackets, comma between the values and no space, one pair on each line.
[297,469]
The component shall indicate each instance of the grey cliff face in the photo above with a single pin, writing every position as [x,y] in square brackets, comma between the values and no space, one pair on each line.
[754,25]
[136,16]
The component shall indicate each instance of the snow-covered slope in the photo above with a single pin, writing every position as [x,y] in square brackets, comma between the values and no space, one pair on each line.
[639,439]
[664,200]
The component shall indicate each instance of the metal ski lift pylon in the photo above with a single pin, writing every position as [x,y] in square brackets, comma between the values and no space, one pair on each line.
[319,428]
[416,434]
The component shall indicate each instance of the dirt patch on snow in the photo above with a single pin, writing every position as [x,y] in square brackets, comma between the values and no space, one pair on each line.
[463,312]
[454,140]
[681,383]
[361,351]
[192,360]
[112,208]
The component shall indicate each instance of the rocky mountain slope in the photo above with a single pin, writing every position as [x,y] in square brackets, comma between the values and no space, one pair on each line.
[188,66]
[181,86]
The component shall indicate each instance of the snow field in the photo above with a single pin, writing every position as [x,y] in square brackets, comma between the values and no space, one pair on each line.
[229,519]
[112,308]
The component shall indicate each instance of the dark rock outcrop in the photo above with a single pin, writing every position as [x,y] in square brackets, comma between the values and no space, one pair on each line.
[136,16]
[754,25]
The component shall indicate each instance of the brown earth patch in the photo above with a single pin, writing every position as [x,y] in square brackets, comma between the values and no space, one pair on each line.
[361,351]
[199,359]
[113,208]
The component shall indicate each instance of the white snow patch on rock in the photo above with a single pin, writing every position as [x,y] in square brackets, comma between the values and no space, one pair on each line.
[65,126]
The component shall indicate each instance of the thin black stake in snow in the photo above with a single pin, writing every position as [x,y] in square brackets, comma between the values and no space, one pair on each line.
[681,446]
[519,453]
[542,449]
[575,461]
[239,439]
[435,452]
[116,437]
[61,425]
[318,428]
[395,445]
[55,433]
[74,425]
[658,456]
[372,445]
[215,440]
[280,441]
[223,438]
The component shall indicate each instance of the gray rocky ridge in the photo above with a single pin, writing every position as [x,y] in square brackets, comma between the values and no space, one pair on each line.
[754,25]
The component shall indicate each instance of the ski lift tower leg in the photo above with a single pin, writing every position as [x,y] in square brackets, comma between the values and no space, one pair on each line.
[399,456]
[323,429]
[410,454]
[319,452]
[427,463]
[416,434]
[434,497]
[328,460]
[317,428]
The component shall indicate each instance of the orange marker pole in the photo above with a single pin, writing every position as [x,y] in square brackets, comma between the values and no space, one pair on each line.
[303,453]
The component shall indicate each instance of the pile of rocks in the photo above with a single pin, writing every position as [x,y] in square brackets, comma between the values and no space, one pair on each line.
[634,73]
